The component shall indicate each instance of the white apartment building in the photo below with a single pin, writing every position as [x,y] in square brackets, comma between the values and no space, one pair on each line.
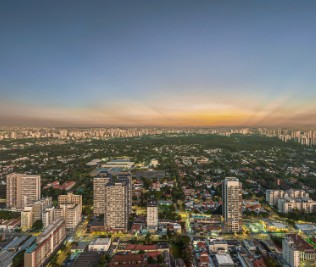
[70,208]
[22,190]
[273,196]
[286,205]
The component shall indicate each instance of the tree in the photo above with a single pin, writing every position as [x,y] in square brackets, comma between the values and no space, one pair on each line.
[18,260]
[7,215]
[160,258]
[148,239]
[37,226]
[151,260]
[102,260]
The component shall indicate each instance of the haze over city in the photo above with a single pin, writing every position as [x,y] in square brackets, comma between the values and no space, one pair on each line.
[158,63]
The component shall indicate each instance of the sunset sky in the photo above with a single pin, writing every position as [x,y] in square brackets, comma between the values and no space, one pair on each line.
[158,63]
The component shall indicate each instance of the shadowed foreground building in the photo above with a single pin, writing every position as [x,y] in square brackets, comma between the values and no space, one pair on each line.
[232,205]
[297,252]
[46,244]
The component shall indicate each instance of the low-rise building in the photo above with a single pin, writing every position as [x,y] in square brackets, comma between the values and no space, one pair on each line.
[100,245]
[223,260]
[217,246]
[135,260]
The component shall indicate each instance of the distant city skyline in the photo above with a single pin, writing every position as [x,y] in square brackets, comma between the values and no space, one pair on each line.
[158,63]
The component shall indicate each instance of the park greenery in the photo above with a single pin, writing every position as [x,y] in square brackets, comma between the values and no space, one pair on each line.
[37,226]
[5,214]
[18,260]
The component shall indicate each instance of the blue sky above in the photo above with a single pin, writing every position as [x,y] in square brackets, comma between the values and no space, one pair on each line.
[158,63]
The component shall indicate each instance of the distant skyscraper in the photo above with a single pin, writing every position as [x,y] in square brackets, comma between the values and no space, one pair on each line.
[22,190]
[117,206]
[232,205]
[152,216]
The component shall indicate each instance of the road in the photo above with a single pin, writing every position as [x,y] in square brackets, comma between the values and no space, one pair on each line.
[72,237]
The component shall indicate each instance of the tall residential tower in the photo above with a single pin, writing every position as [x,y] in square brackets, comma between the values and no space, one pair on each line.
[99,193]
[232,205]
[117,209]
[152,216]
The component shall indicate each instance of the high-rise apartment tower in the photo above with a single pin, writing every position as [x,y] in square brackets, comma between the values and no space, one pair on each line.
[232,205]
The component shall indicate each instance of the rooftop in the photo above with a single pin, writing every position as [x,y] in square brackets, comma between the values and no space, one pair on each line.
[224,259]
[100,241]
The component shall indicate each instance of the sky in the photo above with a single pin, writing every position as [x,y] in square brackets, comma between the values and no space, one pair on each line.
[158,63]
